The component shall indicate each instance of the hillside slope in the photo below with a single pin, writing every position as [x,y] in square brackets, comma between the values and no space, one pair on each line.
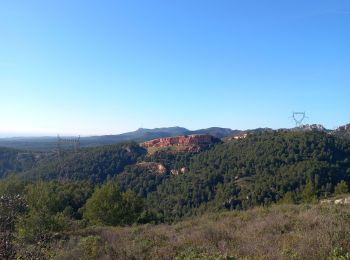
[13,160]
[279,232]
[343,132]
[59,216]
[91,164]
[256,170]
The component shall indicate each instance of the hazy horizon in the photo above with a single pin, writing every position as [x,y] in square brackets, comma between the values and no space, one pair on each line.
[33,135]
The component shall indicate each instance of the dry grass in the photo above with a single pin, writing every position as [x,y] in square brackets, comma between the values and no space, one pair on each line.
[278,232]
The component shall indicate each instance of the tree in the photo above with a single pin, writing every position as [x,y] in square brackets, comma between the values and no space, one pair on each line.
[288,198]
[341,188]
[108,206]
[132,207]
[104,206]
[12,185]
[309,194]
[40,220]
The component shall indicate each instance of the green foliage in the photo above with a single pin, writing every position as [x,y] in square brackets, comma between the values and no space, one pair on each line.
[132,207]
[310,232]
[144,181]
[90,247]
[341,188]
[288,198]
[141,181]
[70,197]
[90,164]
[108,206]
[285,167]
[104,206]
[257,170]
[12,160]
[339,253]
[150,216]
[170,159]
[309,193]
[12,185]
[40,220]
[50,205]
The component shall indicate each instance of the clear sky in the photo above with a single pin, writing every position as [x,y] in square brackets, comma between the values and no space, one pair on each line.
[106,67]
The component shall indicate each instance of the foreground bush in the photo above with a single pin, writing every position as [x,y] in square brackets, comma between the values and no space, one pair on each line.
[278,232]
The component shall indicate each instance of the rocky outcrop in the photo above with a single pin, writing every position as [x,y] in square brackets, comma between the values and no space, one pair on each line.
[181,141]
[152,166]
[343,128]
[177,172]
[342,131]
[345,200]
[307,127]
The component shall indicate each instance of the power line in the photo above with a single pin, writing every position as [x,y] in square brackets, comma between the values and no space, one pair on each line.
[74,141]
[298,118]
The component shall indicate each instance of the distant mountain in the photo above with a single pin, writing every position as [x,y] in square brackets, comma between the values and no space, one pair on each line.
[50,142]
[30,143]
[144,134]
[242,134]
[217,132]
[257,131]
[140,135]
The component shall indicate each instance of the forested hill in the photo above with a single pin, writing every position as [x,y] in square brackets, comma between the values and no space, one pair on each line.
[257,170]
[125,184]
[13,160]
[92,164]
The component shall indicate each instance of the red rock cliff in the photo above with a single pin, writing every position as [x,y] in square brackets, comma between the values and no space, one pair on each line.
[180,141]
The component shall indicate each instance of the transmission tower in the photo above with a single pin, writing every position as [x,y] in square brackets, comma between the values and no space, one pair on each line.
[75,142]
[66,143]
[298,118]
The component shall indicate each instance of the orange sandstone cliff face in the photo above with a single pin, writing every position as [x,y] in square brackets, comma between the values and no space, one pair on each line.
[181,141]
[176,145]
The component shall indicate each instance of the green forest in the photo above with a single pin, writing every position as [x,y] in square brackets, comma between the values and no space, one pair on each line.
[46,199]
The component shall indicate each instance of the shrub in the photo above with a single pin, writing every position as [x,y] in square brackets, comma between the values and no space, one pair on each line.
[309,194]
[108,206]
[341,188]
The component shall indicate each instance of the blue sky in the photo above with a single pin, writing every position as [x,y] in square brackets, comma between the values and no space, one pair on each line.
[106,67]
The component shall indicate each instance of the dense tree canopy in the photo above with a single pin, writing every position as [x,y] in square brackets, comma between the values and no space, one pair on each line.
[92,164]
[108,206]
[259,169]
[12,160]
